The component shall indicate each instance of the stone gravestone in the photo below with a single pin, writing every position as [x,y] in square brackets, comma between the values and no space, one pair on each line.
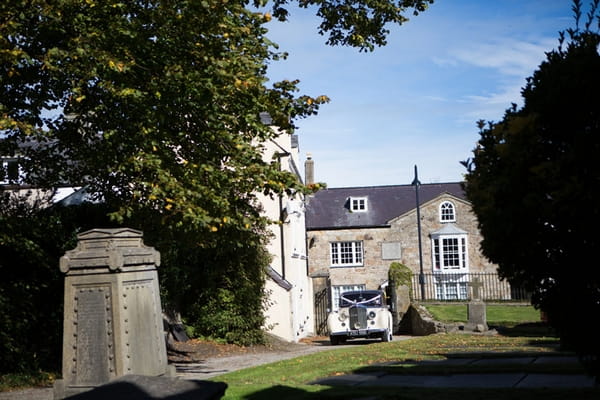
[476,309]
[400,297]
[112,313]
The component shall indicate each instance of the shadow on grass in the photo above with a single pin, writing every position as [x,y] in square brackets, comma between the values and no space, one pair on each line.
[530,329]
[515,361]
[504,364]
[393,393]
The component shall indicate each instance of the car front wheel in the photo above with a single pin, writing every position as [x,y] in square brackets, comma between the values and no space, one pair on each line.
[386,336]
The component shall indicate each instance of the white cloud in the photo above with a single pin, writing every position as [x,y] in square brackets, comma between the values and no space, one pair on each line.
[508,57]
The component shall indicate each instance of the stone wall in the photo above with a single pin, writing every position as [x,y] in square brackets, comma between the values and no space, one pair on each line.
[421,323]
[374,270]
[404,230]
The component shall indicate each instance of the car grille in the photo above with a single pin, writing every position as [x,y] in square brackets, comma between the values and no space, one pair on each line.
[358,318]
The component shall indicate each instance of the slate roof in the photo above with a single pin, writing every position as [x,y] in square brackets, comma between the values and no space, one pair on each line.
[329,208]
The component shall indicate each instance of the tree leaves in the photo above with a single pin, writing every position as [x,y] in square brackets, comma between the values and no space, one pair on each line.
[140,87]
[529,183]
[356,23]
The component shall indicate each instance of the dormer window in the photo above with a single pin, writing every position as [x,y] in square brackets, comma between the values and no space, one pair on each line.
[447,212]
[358,204]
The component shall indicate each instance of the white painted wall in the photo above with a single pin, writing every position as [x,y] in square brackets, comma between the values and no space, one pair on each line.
[290,312]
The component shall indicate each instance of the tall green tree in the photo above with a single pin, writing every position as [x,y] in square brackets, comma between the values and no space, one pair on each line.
[156,103]
[31,290]
[532,183]
[155,107]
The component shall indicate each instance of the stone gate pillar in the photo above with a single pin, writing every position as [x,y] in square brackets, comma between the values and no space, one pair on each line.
[112,312]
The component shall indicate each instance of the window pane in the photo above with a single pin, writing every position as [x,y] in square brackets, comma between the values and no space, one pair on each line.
[451,291]
[439,291]
[358,252]
[346,253]
[436,253]
[13,171]
[450,253]
[462,287]
[334,253]
[447,212]
[358,204]
[338,290]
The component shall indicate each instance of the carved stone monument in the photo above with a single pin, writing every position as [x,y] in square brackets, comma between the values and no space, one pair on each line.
[112,312]
[476,310]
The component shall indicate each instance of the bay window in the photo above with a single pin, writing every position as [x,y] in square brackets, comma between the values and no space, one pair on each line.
[449,250]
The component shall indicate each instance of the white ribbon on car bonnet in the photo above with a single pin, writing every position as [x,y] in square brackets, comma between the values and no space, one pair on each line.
[378,297]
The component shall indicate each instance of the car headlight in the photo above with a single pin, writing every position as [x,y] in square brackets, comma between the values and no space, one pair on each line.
[342,316]
[371,315]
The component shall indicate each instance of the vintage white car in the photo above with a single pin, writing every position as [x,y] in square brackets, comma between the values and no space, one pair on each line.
[361,314]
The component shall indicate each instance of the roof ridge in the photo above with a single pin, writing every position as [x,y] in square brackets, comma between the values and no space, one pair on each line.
[392,186]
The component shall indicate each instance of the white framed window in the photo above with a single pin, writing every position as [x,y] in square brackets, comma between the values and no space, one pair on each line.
[451,290]
[449,249]
[447,212]
[450,252]
[337,290]
[358,204]
[346,254]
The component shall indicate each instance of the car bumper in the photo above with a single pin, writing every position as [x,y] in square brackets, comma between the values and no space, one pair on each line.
[359,333]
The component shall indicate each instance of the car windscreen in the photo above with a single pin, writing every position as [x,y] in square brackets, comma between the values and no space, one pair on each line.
[368,299]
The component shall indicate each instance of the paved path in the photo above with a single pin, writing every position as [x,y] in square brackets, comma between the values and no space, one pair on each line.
[474,380]
[212,367]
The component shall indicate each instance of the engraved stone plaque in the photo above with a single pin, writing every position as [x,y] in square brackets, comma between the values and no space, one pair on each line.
[93,336]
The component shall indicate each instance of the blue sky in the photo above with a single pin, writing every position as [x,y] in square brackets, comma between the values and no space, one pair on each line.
[416,100]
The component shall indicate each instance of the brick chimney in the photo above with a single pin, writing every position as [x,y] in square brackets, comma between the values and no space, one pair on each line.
[309,170]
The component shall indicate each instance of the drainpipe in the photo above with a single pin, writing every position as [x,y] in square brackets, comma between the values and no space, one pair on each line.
[281,218]
[281,240]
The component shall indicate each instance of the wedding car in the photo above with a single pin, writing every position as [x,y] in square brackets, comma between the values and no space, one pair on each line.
[361,314]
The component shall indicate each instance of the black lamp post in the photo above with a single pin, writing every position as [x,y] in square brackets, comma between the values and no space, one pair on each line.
[416,184]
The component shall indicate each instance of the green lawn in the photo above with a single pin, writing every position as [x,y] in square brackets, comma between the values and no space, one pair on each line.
[498,315]
[522,334]
[290,379]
